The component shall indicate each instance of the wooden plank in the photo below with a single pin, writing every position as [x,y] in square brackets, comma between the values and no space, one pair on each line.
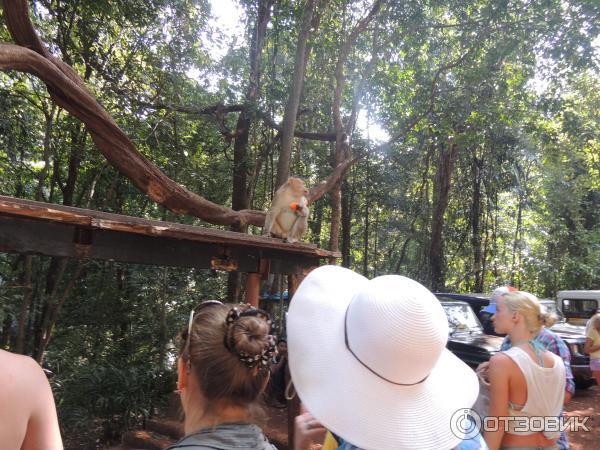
[19,235]
[49,212]
[31,236]
[135,225]
[137,249]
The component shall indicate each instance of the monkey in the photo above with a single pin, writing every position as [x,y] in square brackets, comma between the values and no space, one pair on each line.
[288,216]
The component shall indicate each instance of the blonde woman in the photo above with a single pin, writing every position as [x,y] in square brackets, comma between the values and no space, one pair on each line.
[592,346]
[525,381]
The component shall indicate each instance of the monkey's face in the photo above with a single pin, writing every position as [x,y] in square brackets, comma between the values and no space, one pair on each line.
[298,186]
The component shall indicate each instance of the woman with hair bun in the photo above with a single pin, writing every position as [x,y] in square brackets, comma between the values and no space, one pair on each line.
[526,381]
[223,368]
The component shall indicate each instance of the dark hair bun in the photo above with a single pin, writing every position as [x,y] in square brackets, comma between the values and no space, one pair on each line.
[249,336]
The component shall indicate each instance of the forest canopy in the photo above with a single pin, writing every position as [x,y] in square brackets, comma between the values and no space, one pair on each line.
[456,143]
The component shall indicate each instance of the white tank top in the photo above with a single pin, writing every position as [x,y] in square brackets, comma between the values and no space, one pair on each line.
[545,391]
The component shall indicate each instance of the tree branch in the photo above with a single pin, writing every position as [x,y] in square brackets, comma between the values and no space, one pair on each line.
[431,104]
[115,145]
[68,90]
[327,185]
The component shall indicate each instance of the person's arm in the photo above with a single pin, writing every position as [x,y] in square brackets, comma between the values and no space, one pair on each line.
[499,381]
[307,431]
[589,346]
[482,371]
[42,429]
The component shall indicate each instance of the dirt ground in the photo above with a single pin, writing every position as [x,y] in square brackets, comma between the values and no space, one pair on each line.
[586,403]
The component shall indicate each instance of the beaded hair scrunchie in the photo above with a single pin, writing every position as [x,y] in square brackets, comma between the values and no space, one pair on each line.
[262,359]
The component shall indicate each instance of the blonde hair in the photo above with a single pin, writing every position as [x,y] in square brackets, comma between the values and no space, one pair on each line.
[595,320]
[531,309]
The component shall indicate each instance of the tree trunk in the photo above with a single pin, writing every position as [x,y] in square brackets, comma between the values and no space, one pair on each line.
[376,249]
[162,337]
[291,107]
[317,223]
[486,244]
[49,116]
[78,139]
[342,133]
[495,221]
[442,183]
[54,312]
[5,335]
[335,197]
[366,241]
[514,269]
[54,276]
[239,199]
[515,272]
[367,220]
[347,207]
[25,281]
[476,169]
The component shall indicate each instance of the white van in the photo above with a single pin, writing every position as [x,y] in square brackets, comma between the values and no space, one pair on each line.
[578,306]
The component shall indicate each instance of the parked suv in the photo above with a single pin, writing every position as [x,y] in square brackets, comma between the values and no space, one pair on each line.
[466,338]
[578,306]
[574,336]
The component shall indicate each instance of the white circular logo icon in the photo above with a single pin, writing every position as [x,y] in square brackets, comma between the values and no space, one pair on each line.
[465,423]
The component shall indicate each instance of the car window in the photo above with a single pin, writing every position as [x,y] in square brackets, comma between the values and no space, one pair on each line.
[461,317]
[579,307]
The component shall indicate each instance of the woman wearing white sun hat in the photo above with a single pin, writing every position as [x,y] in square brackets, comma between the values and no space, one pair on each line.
[368,360]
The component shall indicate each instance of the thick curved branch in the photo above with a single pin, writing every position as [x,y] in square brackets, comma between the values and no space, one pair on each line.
[16,15]
[327,185]
[116,146]
[68,90]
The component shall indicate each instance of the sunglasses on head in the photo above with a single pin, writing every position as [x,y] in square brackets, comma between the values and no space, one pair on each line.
[193,312]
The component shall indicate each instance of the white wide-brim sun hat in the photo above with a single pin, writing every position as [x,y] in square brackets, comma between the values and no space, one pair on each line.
[368,360]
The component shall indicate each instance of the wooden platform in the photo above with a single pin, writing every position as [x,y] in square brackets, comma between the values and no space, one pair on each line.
[43,228]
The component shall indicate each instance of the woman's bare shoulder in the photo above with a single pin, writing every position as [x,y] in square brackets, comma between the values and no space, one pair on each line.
[22,367]
[500,360]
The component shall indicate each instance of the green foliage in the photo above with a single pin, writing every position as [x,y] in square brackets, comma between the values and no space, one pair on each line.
[515,88]
[119,395]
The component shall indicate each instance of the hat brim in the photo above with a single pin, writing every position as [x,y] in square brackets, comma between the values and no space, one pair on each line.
[352,401]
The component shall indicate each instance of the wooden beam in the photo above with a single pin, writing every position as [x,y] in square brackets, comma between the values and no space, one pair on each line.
[49,212]
[31,236]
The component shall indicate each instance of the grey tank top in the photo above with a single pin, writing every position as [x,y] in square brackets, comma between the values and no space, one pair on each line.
[230,436]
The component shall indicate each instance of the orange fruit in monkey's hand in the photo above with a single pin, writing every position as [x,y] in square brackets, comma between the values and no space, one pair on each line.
[294,206]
